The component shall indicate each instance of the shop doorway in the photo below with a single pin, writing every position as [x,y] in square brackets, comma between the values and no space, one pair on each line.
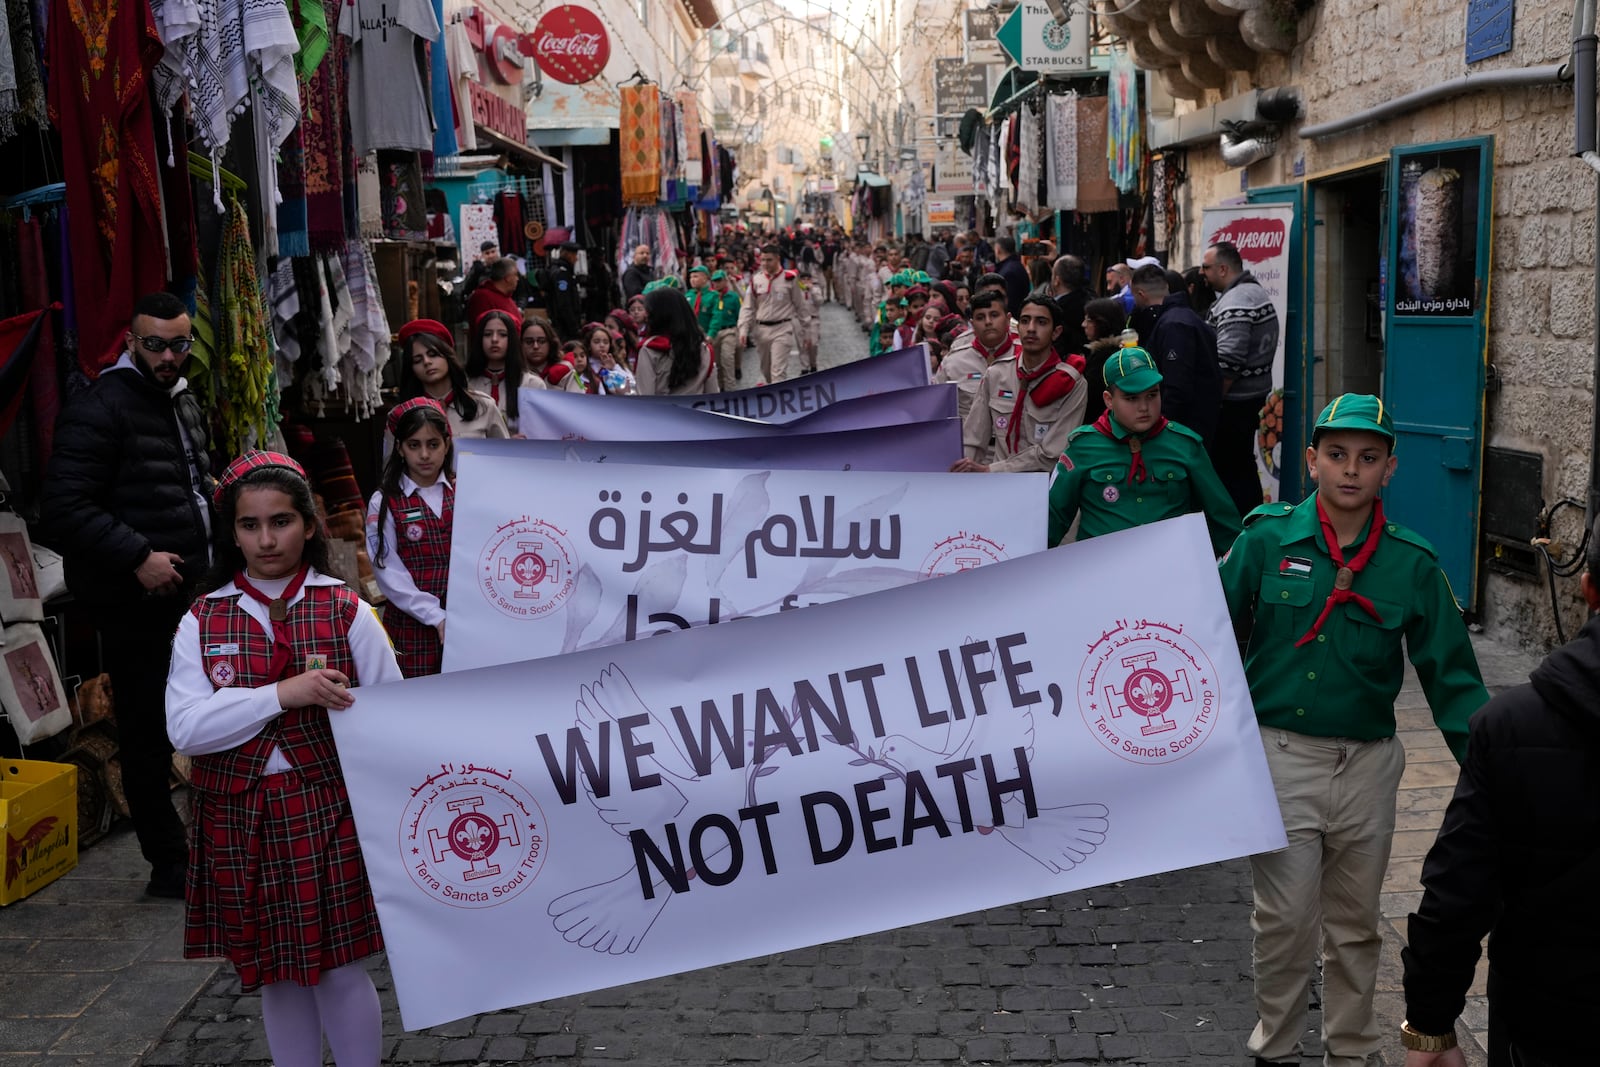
[1347,339]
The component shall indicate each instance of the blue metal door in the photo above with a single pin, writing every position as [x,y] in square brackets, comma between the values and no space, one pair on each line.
[1436,313]
[1297,391]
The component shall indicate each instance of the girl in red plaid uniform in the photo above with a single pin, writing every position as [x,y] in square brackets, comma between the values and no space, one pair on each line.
[408,532]
[275,879]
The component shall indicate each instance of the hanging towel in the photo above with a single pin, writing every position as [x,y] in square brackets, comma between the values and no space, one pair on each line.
[444,111]
[640,138]
[1095,189]
[1061,149]
[1122,124]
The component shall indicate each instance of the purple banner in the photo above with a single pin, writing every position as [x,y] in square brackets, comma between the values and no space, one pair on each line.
[783,402]
[549,415]
[917,446]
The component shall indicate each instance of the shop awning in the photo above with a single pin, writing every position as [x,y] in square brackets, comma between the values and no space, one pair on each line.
[529,152]
[877,181]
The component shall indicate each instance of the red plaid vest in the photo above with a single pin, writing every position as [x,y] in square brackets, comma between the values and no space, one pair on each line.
[426,553]
[236,653]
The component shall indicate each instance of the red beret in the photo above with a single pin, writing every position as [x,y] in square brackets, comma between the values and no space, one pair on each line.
[557,371]
[411,405]
[428,326]
[253,461]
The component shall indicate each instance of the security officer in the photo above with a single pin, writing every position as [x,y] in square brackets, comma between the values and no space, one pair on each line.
[770,317]
[1135,466]
[561,293]
[1329,593]
[1027,403]
[724,331]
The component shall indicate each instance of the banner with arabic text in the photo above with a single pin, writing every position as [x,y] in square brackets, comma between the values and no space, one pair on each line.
[1042,725]
[551,557]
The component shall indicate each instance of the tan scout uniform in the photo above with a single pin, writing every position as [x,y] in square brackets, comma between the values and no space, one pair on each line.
[807,299]
[1045,427]
[771,317]
[965,365]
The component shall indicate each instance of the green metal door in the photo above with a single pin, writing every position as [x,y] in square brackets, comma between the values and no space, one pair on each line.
[1297,391]
[1436,312]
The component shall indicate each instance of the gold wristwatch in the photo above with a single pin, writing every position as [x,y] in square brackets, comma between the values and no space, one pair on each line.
[1417,1041]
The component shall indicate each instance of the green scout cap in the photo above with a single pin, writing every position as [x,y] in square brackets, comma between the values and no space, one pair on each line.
[698,270]
[717,276]
[1356,411]
[1131,370]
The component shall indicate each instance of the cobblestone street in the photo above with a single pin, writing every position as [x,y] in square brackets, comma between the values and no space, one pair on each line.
[1154,971]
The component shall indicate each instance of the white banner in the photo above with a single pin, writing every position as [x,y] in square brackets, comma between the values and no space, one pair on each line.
[1043,725]
[1261,233]
[548,558]
[549,414]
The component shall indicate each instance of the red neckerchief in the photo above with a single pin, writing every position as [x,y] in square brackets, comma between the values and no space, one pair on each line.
[278,613]
[1135,442]
[495,378]
[1346,576]
[657,342]
[1025,380]
[1010,344]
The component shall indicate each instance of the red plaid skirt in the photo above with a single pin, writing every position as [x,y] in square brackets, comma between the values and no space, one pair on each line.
[276,883]
[416,644]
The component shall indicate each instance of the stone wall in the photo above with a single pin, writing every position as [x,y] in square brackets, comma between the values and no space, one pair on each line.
[1357,53]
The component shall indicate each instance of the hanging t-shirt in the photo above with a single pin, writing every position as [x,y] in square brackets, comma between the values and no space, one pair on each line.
[390,94]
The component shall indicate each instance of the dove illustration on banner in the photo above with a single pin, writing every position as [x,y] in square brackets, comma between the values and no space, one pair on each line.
[613,917]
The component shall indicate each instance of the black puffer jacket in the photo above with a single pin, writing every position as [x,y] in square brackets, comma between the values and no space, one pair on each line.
[118,486]
[1519,853]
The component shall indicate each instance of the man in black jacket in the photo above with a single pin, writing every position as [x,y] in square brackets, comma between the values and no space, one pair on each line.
[1066,286]
[1185,349]
[1518,858]
[126,501]
[1009,267]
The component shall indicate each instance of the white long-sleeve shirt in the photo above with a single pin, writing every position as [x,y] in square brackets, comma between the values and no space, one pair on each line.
[393,576]
[202,719]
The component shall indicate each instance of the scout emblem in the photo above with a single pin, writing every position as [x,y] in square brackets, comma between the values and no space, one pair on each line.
[316,661]
[1111,494]
[414,532]
[222,674]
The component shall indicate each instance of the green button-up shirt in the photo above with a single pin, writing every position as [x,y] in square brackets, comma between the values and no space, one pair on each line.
[1091,484]
[1343,682]
[724,312]
[704,303]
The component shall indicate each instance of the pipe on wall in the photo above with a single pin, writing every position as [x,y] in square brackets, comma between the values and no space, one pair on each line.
[1494,79]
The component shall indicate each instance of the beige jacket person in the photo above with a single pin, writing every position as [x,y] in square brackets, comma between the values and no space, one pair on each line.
[1045,425]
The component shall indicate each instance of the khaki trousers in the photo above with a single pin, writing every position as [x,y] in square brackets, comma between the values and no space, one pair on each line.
[1337,798]
[780,352]
[726,345]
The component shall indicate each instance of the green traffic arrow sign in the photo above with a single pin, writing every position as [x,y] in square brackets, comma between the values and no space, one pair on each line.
[1009,35]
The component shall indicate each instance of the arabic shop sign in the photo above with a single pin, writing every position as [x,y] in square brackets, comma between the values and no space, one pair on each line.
[958,86]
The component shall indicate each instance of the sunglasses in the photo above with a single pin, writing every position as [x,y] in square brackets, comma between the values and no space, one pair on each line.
[179,345]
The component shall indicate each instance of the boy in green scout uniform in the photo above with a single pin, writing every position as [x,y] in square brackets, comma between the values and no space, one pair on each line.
[723,330]
[1133,466]
[702,298]
[1327,591]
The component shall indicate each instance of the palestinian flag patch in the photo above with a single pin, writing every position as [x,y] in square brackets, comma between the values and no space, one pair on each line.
[1295,565]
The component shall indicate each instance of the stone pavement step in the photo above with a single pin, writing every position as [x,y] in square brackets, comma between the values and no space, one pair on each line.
[91,970]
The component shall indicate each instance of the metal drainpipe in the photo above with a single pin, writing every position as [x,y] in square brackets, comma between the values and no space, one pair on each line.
[1584,101]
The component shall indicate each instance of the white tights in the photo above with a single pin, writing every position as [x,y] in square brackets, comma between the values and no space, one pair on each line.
[343,1004]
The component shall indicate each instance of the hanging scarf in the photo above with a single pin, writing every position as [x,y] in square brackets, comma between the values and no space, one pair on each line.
[278,613]
[245,364]
[23,102]
[1061,151]
[640,138]
[1345,578]
[1136,469]
[1122,122]
[327,163]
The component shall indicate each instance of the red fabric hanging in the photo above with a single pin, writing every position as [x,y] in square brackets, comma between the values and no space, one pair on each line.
[100,54]
[35,295]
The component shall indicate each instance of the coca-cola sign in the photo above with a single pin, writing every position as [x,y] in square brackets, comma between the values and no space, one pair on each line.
[569,44]
[1257,239]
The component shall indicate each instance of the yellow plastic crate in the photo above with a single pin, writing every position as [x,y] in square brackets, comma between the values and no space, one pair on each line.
[38,824]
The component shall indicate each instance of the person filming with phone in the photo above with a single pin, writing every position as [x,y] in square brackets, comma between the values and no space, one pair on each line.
[127,503]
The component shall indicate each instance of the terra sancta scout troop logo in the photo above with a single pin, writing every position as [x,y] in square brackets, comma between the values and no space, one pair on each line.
[471,837]
[528,568]
[963,552]
[1147,692]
